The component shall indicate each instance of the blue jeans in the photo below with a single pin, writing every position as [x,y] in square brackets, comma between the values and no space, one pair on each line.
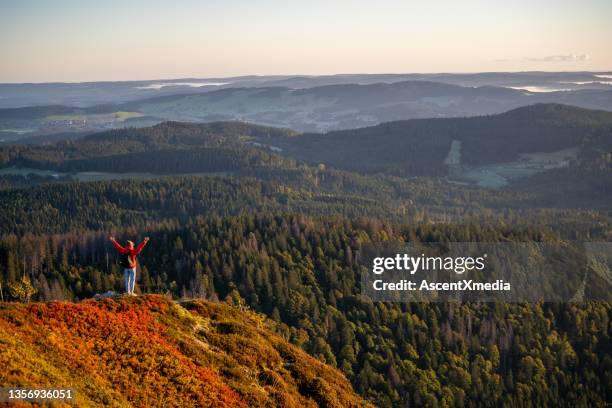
[130,279]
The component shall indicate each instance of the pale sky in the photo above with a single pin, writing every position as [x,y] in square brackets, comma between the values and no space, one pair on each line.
[80,40]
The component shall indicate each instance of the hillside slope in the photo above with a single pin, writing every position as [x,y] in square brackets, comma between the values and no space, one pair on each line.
[149,351]
[421,146]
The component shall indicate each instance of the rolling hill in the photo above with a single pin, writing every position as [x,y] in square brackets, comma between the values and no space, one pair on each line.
[311,105]
[420,146]
[166,148]
[149,351]
[346,106]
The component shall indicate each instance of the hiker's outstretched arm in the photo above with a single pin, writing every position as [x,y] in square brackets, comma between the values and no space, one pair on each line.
[118,247]
[141,245]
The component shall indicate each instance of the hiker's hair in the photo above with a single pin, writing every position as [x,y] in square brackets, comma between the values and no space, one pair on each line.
[130,243]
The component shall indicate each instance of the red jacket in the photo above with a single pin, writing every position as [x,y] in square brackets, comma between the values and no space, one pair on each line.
[132,253]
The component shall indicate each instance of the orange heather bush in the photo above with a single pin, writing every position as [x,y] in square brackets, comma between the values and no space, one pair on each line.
[149,351]
[262,366]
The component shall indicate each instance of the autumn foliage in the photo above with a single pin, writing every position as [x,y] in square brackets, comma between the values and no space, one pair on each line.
[149,351]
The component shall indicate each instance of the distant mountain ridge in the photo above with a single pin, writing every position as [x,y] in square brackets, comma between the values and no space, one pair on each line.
[96,93]
[318,108]
[346,106]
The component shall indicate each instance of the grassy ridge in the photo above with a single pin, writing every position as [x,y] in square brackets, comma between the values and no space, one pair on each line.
[150,351]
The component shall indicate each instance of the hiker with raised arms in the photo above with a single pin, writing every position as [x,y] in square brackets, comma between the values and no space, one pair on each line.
[128,262]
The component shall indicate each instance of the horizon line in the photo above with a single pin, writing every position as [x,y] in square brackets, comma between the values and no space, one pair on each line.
[598,71]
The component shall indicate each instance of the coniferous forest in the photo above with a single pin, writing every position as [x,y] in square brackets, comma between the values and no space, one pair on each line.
[273,223]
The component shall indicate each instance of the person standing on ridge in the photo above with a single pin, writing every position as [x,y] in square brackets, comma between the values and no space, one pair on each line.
[128,262]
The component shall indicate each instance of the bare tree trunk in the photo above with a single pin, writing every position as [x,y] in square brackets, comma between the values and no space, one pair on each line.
[1,294]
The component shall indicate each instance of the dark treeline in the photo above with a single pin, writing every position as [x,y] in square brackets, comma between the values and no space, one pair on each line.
[9,182]
[120,142]
[197,160]
[587,184]
[303,272]
[34,112]
[61,206]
